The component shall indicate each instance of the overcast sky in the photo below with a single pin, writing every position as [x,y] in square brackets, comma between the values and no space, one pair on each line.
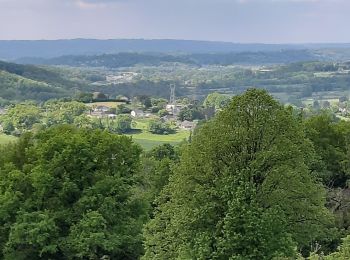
[264,21]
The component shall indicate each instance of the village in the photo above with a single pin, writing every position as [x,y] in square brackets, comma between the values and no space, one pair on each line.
[150,121]
[168,112]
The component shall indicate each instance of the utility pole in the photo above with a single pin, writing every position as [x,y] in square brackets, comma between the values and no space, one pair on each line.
[172,98]
[172,94]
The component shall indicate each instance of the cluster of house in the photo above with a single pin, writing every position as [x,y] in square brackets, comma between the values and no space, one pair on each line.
[121,77]
[103,111]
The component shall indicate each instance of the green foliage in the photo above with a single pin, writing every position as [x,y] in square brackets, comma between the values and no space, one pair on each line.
[332,143]
[57,112]
[164,151]
[84,97]
[242,190]
[21,117]
[99,96]
[145,101]
[160,128]
[123,109]
[343,251]
[30,117]
[122,124]
[190,113]
[163,112]
[68,193]
[216,100]
[23,82]
[158,166]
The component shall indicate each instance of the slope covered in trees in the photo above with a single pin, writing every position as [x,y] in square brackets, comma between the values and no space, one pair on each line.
[132,59]
[22,82]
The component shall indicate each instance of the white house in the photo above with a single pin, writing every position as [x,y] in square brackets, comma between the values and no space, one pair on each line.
[137,113]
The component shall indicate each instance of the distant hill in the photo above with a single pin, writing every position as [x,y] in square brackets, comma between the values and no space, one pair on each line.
[132,59]
[27,82]
[11,50]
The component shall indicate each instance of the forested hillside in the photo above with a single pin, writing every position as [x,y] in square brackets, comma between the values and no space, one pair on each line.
[132,59]
[22,82]
[143,74]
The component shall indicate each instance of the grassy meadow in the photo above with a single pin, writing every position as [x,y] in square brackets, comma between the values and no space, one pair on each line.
[4,139]
[148,140]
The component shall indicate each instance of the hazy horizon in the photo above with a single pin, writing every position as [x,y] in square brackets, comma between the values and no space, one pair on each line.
[180,39]
[234,21]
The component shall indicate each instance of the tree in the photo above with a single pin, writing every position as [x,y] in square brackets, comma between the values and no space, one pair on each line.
[84,97]
[242,190]
[157,169]
[99,96]
[163,112]
[68,193]
[58,112]
[123,124]
[190,113]
[331,141]
[216,100]
[123,109]
[21,116]
[343,251]
[145,101]
[160,128]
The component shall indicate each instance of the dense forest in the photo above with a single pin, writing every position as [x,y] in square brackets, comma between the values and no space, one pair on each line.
[258,181]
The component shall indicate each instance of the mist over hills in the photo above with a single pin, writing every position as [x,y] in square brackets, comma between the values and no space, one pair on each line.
[15,49]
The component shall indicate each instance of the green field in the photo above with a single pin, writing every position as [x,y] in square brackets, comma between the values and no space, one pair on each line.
[148,140]
[107,104]
[4,139]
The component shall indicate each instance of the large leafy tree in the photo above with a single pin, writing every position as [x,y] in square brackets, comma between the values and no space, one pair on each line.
[68,193]
[243,189]
[216,100]
[157,168]
[331,140]
[57,112]
[21,117]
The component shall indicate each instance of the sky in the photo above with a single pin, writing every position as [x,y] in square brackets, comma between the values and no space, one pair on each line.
[243,21]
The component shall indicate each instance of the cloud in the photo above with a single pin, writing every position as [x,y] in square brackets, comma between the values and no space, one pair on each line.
[93,4]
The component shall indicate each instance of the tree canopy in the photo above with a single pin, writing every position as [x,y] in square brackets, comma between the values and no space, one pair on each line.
[243,189]
[69,193]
